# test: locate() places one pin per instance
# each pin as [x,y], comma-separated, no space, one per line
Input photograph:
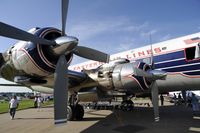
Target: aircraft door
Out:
[197,51]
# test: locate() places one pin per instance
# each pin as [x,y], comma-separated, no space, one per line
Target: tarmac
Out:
[173,119]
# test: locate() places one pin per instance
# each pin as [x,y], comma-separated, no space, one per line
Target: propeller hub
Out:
[66,40]
[65,45]
[158,74]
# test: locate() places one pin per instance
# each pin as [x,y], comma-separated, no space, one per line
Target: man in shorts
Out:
[13,105]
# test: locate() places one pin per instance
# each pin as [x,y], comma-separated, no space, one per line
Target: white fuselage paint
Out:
[174,80]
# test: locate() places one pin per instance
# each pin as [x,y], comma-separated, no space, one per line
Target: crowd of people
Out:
[191,101]
[14,104]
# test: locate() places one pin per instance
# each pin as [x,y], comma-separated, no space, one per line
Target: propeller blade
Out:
[15,33]
[65,4]
[61,91]
[152,57]
[154,94]
[91,54]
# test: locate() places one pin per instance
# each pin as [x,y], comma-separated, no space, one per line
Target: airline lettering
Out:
[130,56]
[88,66]
[141,54]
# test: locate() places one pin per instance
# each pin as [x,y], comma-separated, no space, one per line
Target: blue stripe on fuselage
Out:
[169,62]
[169,56]
[193,73]
[183,68]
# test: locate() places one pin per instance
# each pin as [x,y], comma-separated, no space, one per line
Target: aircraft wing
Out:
[77,80]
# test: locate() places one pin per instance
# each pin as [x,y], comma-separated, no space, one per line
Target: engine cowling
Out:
[125,76]
[122,77]
[34,59]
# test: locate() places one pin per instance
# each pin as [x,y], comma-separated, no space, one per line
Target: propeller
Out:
[154,87]
[64,42]
[153,75]
[62,46]
[68,44]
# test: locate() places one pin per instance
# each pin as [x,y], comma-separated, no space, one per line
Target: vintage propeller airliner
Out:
[41,62]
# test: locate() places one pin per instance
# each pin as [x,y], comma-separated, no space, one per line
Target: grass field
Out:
[23,104]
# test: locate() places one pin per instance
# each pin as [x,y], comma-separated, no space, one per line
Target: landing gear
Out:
[70,115]
[75,111]
[127,105]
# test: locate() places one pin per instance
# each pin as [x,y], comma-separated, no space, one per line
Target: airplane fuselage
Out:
[34,65]
[178,57]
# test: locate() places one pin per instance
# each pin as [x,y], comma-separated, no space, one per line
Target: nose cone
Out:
[65,44]
[158,74]
[70,40]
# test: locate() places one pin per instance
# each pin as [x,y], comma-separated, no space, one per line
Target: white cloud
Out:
[166,37]
[131,27]
[148,33]
[124,46]
[87,29]
[111,35]
[126,43]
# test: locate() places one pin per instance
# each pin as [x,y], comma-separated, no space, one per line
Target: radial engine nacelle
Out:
[122,75]
[28,58]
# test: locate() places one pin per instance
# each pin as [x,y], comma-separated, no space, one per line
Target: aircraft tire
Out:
[127,105]
[78,112]
[70,113]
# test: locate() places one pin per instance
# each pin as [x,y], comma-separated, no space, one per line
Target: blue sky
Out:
[108,25]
